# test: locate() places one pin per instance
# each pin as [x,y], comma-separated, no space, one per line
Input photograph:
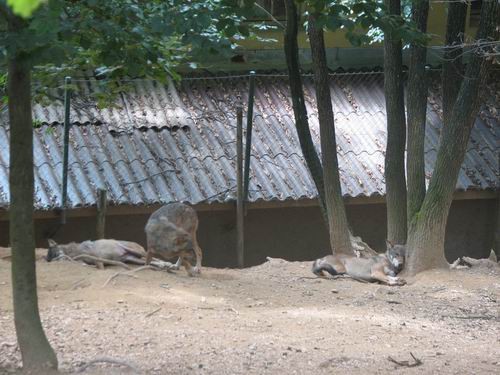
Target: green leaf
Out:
[24,8]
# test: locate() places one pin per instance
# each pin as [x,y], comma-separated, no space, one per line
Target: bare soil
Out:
[275,318]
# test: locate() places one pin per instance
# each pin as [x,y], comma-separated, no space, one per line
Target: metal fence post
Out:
[248,143]
[239,199]
[67,105]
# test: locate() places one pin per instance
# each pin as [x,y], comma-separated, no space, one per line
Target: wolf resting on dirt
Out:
[120,251]
[380,268]
[171,232]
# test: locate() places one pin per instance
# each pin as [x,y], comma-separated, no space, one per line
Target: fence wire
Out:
[177,142]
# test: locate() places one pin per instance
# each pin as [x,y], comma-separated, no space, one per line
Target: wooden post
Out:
[239,183]
[101,214]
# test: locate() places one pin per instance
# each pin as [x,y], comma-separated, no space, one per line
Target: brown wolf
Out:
[380,268]
[121,251]
[171,232]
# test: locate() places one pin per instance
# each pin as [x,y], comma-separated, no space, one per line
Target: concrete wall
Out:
[291,233]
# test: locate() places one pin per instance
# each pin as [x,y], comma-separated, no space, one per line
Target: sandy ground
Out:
[271,319]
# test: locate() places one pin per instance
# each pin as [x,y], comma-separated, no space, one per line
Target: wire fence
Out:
[177,142]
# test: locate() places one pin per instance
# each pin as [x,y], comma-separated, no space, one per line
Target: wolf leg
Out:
[187,266]
[199,256]
[149,256]
[378,274]
[134,260]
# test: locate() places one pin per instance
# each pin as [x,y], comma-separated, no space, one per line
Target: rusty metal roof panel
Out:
[176,142]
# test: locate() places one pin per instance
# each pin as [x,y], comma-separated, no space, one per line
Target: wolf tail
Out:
[319,266]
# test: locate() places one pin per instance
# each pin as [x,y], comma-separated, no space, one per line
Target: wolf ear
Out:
[389,244]
[51,242]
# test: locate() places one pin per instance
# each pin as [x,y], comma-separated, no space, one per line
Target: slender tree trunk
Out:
[395,181]
[426,240]
[453,69]
[299,107]
[417,110]
[36,351]
[337,219]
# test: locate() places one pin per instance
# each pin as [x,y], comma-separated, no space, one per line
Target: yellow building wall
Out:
[436,27]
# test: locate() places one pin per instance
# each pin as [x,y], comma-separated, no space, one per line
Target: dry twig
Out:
[152,312]
[109,360]
[417,362]
[78,283]
[129,273]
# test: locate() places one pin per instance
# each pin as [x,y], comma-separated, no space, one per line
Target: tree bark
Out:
[337,219]
[36,351]
[298,103]
[453,69]
[426,240]
[395,181]
[417,110]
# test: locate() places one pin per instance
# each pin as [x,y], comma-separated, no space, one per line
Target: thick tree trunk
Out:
[426,239]
[299,107]
[337,219]
[36,351]
[417,110]
[395,181]
[452,61]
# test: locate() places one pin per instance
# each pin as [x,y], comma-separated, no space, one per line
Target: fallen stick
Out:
[77,284]
[480,317]
[116,275]
[129,273]
[417,362]
[109,360]
[152,312]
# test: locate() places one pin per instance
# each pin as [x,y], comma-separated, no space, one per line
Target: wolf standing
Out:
[171,232]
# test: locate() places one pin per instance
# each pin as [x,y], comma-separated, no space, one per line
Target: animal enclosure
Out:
[270,319]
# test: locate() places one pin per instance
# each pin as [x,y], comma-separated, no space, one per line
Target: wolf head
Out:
[54,250]
[396,255]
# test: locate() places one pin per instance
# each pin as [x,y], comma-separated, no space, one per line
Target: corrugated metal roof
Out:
[162,143]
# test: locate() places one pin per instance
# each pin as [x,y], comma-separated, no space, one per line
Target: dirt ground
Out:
[275,318]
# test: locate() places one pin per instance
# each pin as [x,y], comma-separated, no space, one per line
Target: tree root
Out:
[361,248]
[109,360]
[417,362]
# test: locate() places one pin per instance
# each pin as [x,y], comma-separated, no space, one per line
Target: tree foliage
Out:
[24,8]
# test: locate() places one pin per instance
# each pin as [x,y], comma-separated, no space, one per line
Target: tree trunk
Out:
[452,61]
[426,239]
[337,219]
[36,351]
[417,110]
[395,181]
[298,103]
